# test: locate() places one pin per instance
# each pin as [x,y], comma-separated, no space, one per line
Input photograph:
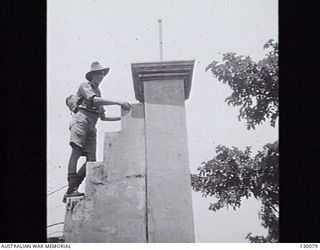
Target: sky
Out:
[119,32]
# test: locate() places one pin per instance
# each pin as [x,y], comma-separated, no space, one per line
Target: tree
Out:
[235,174]
[254,84]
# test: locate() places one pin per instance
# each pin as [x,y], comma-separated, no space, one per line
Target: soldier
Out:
[82,127]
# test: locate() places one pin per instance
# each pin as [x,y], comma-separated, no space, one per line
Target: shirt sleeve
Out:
[85,90]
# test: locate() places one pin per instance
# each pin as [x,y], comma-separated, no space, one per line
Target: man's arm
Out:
[100,101]
[103,116]
[115,118]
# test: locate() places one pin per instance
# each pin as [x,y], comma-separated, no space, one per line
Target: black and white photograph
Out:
[162,121]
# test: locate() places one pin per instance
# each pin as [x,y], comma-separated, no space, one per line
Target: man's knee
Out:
[76,150]
[91,157]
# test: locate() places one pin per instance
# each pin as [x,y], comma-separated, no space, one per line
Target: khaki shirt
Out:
[87,91]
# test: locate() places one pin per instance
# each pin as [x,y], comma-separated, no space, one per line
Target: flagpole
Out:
[160,39]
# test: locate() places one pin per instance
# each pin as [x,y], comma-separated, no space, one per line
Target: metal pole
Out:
[160,39]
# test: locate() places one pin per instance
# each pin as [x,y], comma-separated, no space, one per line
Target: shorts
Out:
[84,132]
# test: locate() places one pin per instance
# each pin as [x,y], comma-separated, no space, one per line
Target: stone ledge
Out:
[142,72]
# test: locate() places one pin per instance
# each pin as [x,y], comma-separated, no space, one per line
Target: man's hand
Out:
[126,106]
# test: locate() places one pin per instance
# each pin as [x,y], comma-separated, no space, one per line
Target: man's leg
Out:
[74,157]
[89,151]
[73,178]
[82,170]
[79,128]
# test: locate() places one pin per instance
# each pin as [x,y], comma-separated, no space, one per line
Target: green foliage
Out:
[254,84]
[234,174]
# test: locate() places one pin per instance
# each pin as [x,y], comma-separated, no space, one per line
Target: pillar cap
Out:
[169,70]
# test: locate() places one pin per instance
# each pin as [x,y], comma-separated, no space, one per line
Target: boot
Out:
[74,182]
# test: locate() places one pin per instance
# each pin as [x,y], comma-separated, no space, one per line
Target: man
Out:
[82,126]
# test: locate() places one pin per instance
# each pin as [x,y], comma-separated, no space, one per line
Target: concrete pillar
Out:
[163,87]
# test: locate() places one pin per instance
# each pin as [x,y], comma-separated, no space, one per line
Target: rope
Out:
[57,190]
[58,223]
